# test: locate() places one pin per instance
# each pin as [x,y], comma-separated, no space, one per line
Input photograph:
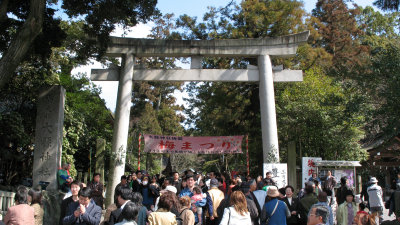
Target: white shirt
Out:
[290,200]
[122,206]
[231,217]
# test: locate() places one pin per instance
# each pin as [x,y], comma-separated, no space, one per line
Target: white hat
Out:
[170,188]
[373,180]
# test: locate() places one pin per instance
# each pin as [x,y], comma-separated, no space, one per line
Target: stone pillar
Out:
[268,115]
[121,126]
[292,164]
[48,136]
[100,147]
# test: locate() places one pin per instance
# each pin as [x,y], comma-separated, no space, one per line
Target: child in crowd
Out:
[362,217]
[198,196]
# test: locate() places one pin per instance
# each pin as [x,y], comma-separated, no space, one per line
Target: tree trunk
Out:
[21,43]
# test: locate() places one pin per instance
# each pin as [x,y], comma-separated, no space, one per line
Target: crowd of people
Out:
[210,199]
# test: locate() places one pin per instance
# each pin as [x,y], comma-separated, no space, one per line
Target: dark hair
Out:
[95,174]
[188,177]
[130,211]
[321,211]
[78,183]
[197,190]
[123,177]
[322,196]
[21,196]
[362,205]
[260,185]
[138,171]
[316,182]
[124,192]
[343,180]
[137,198]
[291,188]
[168,200]
[309,189]
[36,196]
[282,191]
[85,192]
[267,173]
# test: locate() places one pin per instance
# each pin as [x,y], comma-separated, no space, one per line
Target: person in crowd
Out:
[329,186]
[164,216]
[63,177]
[35,199]
[124,195]
[282,193]
[135,185]
[292,204]
[83,212]
[129,214]
[306,202]
[148,193]
[176,181]
[186,214]
[251,206]
[317,187]
[364,194]
[237,213]
[253,187]
[362,217]
[216,196]
[318,215]
[274,212]
[323,200]
[314,177]
[260,194]
[167,188]
[142,215]
[346,211]
[123,183]
[394,202]
[268,179]
[197,196]
[76,186]
[188,190]
[234,182]
[139,176]
[21,213]
[375,201]
[97,190]
[222,186]
[341,192]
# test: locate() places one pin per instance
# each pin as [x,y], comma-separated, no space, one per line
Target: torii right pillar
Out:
[268,114]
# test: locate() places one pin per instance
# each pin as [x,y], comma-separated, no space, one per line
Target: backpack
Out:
[179,220]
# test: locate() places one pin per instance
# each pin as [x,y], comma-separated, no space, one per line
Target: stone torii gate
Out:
[264,73]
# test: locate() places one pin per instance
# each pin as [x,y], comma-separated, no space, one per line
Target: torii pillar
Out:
[265,74]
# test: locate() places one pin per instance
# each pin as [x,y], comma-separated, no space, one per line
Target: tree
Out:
[389,5]
[30,27]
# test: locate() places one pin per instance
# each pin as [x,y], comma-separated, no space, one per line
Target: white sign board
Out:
[308,167]
[279,173]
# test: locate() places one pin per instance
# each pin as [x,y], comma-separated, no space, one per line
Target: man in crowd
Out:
[314,176]
[306,202]
[188,191]
[216,196]
[123,183]
[176,181]
[318,215]
[375,198]
[341,192]
[76,186]
[83,212]
[329,187]
[268,179]
[323,201]
[97,190]
[124,195]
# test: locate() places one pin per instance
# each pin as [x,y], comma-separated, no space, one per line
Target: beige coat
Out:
[187,216]
[216,196]
[162,217]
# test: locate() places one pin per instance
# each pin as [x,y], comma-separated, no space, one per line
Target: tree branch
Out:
[3,10]
[22,42]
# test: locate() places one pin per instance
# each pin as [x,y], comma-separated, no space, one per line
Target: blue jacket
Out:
[92,216]
[281,213]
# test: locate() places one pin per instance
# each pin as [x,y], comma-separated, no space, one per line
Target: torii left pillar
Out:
[121,126]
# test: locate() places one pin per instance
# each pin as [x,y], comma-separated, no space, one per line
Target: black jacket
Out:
[293,219]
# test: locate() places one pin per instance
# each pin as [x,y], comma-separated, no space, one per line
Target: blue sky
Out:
[178,7]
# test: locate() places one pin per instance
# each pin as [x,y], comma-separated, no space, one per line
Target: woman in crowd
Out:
[129,214]
[186,214]
[292,204]
[237,213]
[21,213]
[76,186]
[35,198]
[347,210]
[164,216]
[274,212]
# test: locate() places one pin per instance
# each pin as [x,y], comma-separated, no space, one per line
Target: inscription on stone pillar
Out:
[48,136]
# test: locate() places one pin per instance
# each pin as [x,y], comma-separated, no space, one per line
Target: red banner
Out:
[194,145]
